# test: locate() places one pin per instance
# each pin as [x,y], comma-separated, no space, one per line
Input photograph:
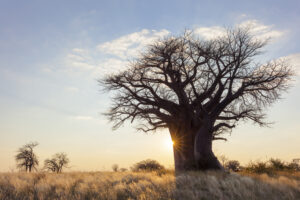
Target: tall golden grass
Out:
[148,185]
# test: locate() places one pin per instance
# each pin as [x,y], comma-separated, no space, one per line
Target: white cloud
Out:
[112,56]
[82,65]
[129,45]
[122,48]
[75,57]
[108,66]
[78,50]
[294,61]
[258,29]
[262,31]
[210,32]
[80,59]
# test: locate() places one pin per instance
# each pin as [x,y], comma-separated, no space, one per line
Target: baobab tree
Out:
[26,158]
[198,90]
[57,162]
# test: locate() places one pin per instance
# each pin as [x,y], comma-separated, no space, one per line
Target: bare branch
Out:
[183,80]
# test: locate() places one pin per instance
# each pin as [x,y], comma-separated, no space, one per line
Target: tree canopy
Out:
[26,158]
[57,162]
[185,84]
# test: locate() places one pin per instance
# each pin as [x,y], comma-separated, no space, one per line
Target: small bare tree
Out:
[26,159]
[197,89]
[233,165]
[223,159]
[57,162]
[51,165]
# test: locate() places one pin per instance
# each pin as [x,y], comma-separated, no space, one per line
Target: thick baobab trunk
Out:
[183,147]
[204,156]
[184,155]
[193,149]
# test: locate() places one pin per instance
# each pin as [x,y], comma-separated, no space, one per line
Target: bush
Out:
[233,165]
[147,165]
[271,166]
[293,166]
[123,170]
[277,164]
[258,167]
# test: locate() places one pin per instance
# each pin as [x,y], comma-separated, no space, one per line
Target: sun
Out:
[169,144]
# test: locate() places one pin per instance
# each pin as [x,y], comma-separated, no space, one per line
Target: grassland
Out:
[150,185]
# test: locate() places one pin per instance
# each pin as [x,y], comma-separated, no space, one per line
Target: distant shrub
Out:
[277,164]
[258,167]
[271,166]
[147,165]
[293,166]
[123,169]
[233,165]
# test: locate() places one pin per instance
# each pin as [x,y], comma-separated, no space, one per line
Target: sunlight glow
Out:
[169,144]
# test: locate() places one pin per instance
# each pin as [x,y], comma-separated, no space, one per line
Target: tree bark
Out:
[184,156]
[204,156]
[193,149]
[183,147]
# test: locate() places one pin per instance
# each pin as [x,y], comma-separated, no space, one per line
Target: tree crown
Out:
[186,80]
[26,158]
[57,162]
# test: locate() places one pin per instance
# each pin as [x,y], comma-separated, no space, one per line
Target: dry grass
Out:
[283,178]
[129,185]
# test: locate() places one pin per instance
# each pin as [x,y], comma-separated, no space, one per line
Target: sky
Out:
[53,52]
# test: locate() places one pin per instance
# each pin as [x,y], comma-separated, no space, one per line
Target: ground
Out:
[149,185]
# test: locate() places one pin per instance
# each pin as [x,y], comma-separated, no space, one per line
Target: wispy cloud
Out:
[80,51]
[112,56]
[209,33]
[258,29]
[261,30]
[80,59]
[115,53]
[129,45]
[110,65]
[294,61]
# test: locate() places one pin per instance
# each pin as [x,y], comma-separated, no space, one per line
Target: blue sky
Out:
[52,53]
